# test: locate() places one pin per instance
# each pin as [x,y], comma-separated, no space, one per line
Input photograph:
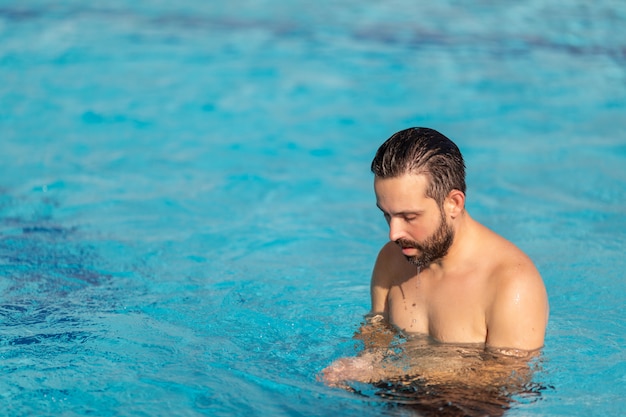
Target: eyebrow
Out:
[401,213]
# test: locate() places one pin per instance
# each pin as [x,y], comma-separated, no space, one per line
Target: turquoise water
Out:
[187,222]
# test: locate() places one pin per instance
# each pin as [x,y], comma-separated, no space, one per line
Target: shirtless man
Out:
[443,274]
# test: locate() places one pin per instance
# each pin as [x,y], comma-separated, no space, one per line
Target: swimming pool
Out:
[186,211]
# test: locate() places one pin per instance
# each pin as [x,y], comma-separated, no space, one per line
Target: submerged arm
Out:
[433,364]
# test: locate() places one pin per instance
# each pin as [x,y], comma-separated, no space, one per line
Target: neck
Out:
[458,250]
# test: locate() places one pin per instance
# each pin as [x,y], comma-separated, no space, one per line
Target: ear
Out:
[454,203]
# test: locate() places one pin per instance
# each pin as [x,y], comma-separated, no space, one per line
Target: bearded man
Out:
[443,275]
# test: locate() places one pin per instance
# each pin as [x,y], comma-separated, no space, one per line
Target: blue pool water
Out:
[187,223]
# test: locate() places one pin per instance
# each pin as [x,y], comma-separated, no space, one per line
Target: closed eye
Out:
[407,216]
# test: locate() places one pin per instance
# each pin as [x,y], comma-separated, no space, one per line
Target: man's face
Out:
[432,249]
[416,222]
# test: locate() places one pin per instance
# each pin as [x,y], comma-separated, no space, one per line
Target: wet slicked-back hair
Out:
[421,150]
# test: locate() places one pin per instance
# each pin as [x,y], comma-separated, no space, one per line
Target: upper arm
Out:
[382,278]
[518,316]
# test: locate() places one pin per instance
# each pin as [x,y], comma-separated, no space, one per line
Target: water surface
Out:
[187,222]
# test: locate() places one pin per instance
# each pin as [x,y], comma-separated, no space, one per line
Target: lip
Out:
[408,250]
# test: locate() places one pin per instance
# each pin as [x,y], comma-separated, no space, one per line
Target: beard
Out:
[433,248]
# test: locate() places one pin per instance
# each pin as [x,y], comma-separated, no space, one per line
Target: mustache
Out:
[404,243]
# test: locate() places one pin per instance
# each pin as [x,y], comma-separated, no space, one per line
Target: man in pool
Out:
[443,274]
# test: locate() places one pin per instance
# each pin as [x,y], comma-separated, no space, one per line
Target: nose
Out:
[395,230]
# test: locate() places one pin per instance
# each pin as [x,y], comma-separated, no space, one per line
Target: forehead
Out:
[405,190]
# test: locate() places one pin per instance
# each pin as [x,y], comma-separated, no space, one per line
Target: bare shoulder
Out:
[389,268]
[390,265]
[518,312]
[508,264]
[514,270]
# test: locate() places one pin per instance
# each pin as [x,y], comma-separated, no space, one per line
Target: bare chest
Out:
[447,310]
